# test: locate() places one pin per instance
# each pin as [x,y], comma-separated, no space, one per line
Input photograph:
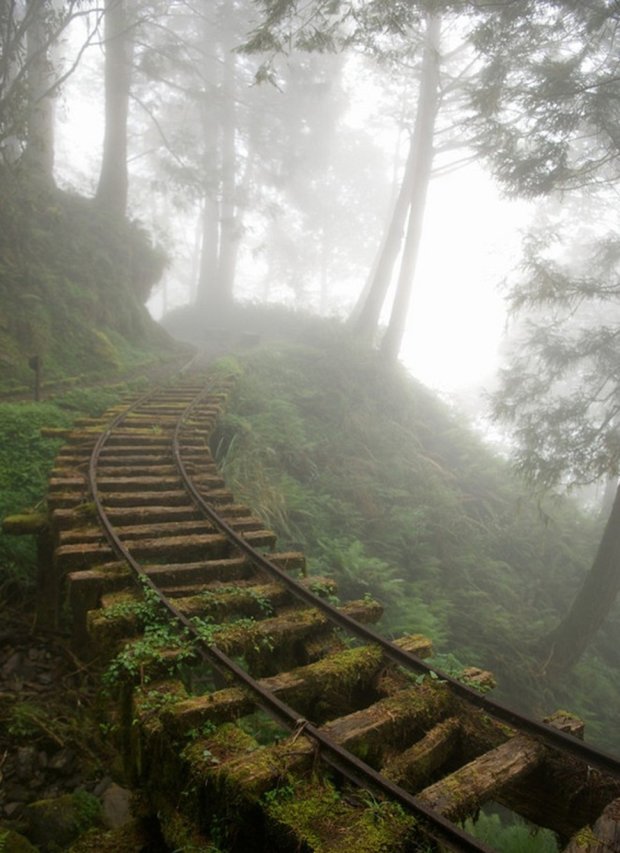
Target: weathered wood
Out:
[25,524]
[176,497]
[604,837]
[463,792]
[329,686]
[373,732]
[155,483]
[268,646]
[334,679]
[133,533]
[66,519]
[87,586]
[226,569]
[248,776]
[87,555]
[413,768]
[72,481]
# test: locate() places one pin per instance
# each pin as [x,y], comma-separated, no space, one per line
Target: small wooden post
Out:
[35,364]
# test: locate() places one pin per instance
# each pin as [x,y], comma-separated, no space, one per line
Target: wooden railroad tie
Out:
[195,743]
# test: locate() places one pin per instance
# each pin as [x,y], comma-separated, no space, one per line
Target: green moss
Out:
[132,836]
[227,742]
[24,523]
[105,350]
[56,823]
[72,286]
[13,842]
[180,834]
[314,817]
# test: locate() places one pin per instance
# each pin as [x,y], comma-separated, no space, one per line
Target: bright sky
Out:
[470,242]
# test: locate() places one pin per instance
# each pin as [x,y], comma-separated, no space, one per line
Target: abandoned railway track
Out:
[205,626]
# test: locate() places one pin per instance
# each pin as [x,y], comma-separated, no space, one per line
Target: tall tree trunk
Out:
[211,160]
[113,180]
[208,255]
[229,226]
[39,153]
[563,647]
[422,144]
[609,494]
[365,316]
[324,267]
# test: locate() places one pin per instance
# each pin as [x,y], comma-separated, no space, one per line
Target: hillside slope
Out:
[387,491]
[72,287]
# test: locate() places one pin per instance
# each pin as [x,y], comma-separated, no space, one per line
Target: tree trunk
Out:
[229,230]
[39,153]
[422,145]
[211,160]
[365,316]
[113,181]
[324,272]
[208,254]
[563,647]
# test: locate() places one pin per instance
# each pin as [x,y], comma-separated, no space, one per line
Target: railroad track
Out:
[256,715]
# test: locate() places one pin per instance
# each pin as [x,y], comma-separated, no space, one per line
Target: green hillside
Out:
[73,282]
[389,492]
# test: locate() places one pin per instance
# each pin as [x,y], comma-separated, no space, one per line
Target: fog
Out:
[470,238]
[274,177]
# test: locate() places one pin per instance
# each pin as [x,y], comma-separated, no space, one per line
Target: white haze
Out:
[470,243]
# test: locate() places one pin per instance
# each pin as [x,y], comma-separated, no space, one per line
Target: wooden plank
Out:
[463,792]
[413,768]
[604,837]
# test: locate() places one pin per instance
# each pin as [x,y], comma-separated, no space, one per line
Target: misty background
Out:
[471,235]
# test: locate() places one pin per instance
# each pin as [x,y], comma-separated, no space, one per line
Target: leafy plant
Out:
[513,835]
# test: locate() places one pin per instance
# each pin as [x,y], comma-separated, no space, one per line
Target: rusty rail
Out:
[541,742]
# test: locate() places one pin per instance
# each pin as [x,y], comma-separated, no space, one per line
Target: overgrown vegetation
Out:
[515,836]
[387,491]
[72,287]
[26,459]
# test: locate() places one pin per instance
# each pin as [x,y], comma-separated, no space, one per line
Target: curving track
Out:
[141,514]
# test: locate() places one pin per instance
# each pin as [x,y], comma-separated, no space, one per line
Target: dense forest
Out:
[257,175]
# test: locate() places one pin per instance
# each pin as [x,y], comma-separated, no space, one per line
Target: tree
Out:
[548,103]
[550,122]
[365,316]
[31,76]
[257,163]
[421,159]
[39,152]
[113,186]
[396,35]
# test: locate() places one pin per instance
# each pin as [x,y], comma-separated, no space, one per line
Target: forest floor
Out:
[55,757]
[44,691]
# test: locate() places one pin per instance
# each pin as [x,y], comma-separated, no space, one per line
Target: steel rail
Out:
[593,757]
[434,825]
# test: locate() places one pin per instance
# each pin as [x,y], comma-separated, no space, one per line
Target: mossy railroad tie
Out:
[292,649]
[210,764]
[250,786]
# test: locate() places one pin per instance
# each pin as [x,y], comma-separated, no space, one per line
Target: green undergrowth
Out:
[511,835]
[26,459]
[389,492]
[73,282]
